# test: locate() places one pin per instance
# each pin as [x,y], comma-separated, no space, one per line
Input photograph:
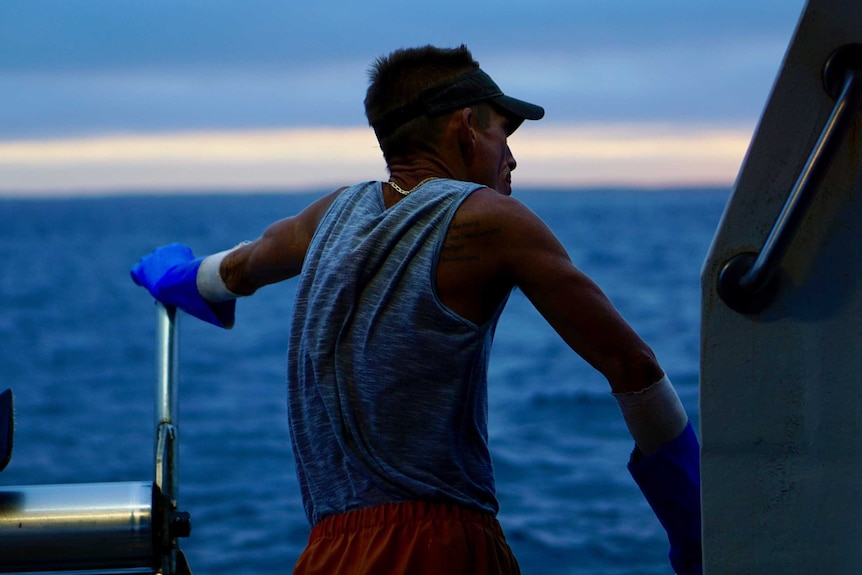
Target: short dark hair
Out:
[398,79]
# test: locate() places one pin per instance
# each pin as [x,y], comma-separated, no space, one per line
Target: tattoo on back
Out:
[457,247]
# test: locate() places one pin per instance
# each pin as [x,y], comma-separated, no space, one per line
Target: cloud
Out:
[630,155]
[74,67]
[104,96]
[208,161]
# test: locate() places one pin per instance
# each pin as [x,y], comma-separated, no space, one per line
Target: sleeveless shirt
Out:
[387,387]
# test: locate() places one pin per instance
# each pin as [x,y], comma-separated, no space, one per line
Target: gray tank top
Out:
[387,387]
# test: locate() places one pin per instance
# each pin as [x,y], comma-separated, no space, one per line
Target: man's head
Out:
[413,90]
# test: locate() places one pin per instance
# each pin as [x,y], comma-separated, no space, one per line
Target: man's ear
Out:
[467,133]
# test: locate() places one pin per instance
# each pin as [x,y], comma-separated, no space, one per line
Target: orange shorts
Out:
[412,538]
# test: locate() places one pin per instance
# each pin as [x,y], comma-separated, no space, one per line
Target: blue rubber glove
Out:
[170,275]
[670,482]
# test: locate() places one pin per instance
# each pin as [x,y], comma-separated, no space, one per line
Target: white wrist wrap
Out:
[210,284]
[654,415]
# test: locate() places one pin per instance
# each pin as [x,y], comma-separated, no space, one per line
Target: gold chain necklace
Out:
[404,192]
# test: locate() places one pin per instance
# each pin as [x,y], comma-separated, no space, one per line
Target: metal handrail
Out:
[747,281]
[173,523]
[167,350]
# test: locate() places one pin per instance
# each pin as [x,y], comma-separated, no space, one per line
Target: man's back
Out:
[388,395]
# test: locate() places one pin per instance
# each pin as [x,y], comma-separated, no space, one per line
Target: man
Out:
[401,286]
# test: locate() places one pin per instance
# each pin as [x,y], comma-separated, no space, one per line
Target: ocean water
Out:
[78,340]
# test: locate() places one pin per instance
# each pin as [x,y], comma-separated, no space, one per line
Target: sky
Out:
[115,96]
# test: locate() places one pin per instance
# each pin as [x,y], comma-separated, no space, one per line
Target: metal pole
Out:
[166,449]
[167,384]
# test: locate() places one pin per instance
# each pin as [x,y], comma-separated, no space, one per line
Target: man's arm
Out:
[535,261]
[666,461]
[277,255]
[207,287]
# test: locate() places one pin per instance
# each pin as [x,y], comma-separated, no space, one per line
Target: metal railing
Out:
[747,282]
[173,523]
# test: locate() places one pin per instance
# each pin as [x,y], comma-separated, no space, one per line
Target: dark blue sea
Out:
[78,341]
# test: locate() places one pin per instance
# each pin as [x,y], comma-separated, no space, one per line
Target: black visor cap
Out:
[470,88]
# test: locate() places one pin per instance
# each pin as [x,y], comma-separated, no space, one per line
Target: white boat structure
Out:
[780,393]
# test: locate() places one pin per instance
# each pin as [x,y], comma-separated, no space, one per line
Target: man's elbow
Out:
[635,371]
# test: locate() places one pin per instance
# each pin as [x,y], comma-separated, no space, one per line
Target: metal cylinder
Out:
[77,527]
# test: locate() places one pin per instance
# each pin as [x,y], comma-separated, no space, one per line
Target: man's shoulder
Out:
[518,232]
[487,203]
